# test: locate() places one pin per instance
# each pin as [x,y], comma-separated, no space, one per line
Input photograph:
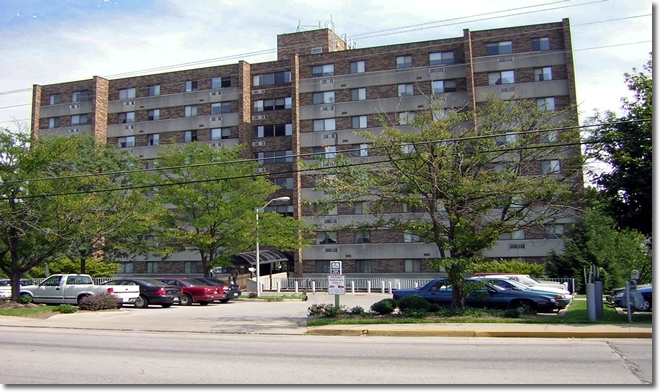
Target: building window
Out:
[190,267]
[502,77]
[329,152]
[123,118]
[360,150]
[363,237]
[127,93]
[272,130]
[220,133]
[409,237]
[53,122]
[284,182]
[152,267]
[443,86]
[270,157]
[272,78]
[406,118]
[550,167]
[221,107]
[554,231]
[153,139]
[190,136]
[126,142]
[358,122]
[326,237]
[266,105]
[153,115]
[361,207]
[495,48]
[357,67]
[55,99]
[441,58]
[319,71]
[539,44]
[322,267]
[190,111]
[514,235]
[363,266]
[191,85]
[549,137]
[412,265]
[507,138]
[545,104]
[404,62]
[79,119]
[406,90]
[358,94]
[125,268]
[220,82]
[283,210]
[324,125]
[154,90]
[325,97]
[80,96]
[541,74]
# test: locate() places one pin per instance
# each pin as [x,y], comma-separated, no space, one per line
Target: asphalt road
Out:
[66,356]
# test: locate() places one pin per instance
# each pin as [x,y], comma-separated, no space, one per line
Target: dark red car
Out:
[196,291]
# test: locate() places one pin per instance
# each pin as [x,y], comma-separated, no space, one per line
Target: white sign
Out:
[336,285]
[335,268]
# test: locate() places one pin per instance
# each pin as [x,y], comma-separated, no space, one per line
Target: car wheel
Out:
[166,305]
[81,298]
[645,306]
[186,300]
[141,302]
[521,306]
[204,303]
[224,301]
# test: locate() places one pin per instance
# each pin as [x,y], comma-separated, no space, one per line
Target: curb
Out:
[484,334]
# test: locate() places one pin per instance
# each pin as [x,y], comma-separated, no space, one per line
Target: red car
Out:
[195,291]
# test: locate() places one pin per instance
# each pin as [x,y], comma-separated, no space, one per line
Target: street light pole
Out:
[256,210]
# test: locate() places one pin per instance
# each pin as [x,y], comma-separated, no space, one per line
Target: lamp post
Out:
[256,210]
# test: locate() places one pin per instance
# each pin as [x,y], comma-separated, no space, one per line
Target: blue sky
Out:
[53,41]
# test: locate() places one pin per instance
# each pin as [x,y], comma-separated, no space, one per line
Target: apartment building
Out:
[311,100]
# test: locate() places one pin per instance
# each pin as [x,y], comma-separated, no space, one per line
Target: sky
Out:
[53,41]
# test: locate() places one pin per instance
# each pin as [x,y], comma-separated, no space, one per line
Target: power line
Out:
[544,146]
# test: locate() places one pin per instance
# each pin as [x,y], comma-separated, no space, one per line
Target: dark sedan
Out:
[647,298]
[152,292]
[234,290]
[484,295]
[196,291]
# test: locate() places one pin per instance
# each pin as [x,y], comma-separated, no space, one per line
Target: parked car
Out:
[646,291]
[72,288]
[152,292]
[525,279]
[487,295]
[562,296]
[5,286]
[195,291]
[232,290]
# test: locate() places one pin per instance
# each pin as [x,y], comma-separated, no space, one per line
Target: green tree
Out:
[214,194]
[625,144]
[597,241]
[469,184]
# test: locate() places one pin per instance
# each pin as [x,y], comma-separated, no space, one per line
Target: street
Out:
[65,356]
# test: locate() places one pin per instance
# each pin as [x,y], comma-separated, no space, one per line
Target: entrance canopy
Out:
[265,257]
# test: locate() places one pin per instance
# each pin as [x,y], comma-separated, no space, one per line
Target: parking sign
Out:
[335,267]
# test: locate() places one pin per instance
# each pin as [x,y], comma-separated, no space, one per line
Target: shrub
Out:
[326,310]
[435,308]
[100,301]
[357,310]
[66,308]
[24,299]
[415,313]
[384,306]
[413,303]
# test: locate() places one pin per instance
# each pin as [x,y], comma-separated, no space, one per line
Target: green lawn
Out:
[575,314]
[27,311]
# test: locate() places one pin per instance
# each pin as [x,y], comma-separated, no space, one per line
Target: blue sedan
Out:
[486,295]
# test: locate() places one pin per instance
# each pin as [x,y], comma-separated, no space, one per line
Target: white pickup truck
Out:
[70,289]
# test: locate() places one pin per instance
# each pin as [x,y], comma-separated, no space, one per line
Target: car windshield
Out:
[193,282]
[206,282]
[153,282]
